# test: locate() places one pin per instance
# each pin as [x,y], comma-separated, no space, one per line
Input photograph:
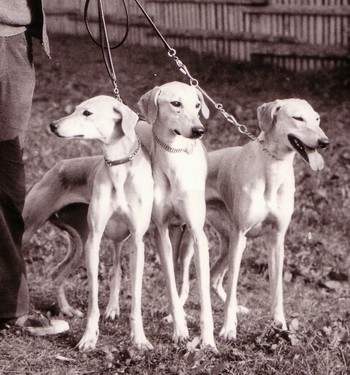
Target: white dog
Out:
[250,192]
[180,169]
[122,189]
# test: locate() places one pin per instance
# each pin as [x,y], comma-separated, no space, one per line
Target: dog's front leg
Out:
[165,251]
[276,259]
[192,209]
[237,245]
[137,258]
[89,339]
[201,258]
[100,211]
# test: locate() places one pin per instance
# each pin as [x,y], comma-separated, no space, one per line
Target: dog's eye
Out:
[298,118]
[198,105]
[175,103]
[87,113]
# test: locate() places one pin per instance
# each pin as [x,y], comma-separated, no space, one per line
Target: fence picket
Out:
[238,29]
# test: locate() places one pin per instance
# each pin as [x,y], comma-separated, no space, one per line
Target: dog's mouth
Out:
[194,135]
[64,136]
[310,155]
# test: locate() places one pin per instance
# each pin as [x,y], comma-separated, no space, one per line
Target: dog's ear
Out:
[128,121]
[267,114]
[148,104]
[204,107]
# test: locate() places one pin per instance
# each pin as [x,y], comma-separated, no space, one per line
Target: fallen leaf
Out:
[65,359]
[191,345]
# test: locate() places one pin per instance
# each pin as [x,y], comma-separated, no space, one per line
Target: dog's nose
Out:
[53,126]
[323,142]
[197,131]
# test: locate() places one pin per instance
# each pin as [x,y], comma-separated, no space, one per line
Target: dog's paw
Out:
[167,319]
[71,312]
[180,336]
[205,345]
[88,341]
[209,347]
[280,322]
[242,310]
[142,345]
[112,313]
[228,333]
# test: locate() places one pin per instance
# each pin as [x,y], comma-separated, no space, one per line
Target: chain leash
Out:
[104,43]
[229,117]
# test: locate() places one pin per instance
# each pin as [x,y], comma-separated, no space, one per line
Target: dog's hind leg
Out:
[71,219]
[186,255]
[237,245]
[219,219]
[113,309]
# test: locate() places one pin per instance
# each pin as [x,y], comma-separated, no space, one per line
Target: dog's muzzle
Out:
[198,132]
[323,142]
[53,127]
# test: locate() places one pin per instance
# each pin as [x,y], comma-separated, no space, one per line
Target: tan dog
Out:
[179,170]
[121,189]
[250,192]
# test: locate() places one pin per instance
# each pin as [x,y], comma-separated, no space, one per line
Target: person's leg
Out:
[17,81]
[13,285]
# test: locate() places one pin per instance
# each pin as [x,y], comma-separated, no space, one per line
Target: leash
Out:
[104,44]
[194,82]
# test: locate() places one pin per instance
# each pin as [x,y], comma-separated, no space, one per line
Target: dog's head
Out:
[296,126]
[101,117]
[176,106]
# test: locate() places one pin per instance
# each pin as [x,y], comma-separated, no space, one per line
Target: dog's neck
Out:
[121,151]
[171,142]
[275,151]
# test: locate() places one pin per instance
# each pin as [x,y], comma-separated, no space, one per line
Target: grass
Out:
[317,293]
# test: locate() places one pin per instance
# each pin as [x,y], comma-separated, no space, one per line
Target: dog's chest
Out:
[131,187]
[183,171]
[270,207]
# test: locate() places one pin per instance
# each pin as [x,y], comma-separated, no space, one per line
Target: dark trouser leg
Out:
[17,80]
[13,284]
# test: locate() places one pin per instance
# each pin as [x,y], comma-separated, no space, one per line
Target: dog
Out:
[250,192]
[179,165]
[120,188]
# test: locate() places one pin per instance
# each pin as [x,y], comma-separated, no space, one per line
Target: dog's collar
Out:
[188,149]
[112,163]
[262,143]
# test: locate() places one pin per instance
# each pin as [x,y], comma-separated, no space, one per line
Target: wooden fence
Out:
[295,34]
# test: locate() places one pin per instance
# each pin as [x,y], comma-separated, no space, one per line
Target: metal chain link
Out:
[229,117]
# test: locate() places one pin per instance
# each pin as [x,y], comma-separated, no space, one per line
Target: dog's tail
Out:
[71,219]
